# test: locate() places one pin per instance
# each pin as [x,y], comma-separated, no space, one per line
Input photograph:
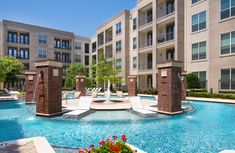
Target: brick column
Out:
[30,81]
[48,93]
[169,87]
[132,86]
[80,85]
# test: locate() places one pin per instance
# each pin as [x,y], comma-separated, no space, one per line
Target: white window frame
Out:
[230,43]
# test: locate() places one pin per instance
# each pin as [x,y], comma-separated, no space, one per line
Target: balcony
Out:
[146,44]
[146,20]
[165,11]
[164,37]
[145,66]
[227,85]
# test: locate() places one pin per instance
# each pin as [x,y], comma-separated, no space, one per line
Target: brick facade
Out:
[169,88]
[80,85]
[30,81]
[48,95]
[132,85]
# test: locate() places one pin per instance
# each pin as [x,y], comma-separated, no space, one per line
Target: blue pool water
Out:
[211,128]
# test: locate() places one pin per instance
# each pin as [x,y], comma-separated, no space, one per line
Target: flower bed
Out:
[110,145]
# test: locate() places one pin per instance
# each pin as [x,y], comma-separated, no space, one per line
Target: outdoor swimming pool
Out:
[211,128]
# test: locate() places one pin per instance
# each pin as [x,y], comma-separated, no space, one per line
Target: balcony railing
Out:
[146,43]
[146,20]
[12,40]
[100,43]
[145,66]
[62,47]
[108,39]
[109,54]
[165,37]
[93,50]
[165,11]
[227,85]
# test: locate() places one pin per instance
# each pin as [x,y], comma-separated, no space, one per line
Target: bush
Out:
[211,95]
[193,81]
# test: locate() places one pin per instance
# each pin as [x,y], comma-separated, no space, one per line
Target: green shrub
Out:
[193,81]
[210,95]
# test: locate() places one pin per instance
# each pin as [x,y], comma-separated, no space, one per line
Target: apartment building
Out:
[29,43]
[113,42]
[82,51]
[210,43]
[156,36]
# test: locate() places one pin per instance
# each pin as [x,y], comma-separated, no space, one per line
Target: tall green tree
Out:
[106,71]
[193,81]
[72,71]
[9,68]
[91,80]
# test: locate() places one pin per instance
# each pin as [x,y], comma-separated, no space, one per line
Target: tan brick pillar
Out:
[80,85]
[30,81]
[132,85]
[48,93]
[169,87]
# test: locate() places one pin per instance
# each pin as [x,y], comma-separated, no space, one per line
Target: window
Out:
[134,23]
[118,46]
[118,28]
[119,63]
[78,45]
[227,79]
[65,44]
[42,53]
[195,1]
[199,21]
[26,66]
[202,78]
[86,48]
[12,37]
[65,58]
[24,38]
[57,43]
[199,51]
[42,39]
[57,56]
[78,58]
[134,62]
[227,43]
[86,60]
[134,43]
[22,53]
[227,9]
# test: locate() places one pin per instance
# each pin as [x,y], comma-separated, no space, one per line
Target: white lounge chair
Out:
[137,108]
[84,105]
[77,94]
[99,89]
[94,94]
[119,94]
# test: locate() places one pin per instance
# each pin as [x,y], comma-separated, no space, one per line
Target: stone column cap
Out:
[80,76]
[171,64]
[132,76]
[30,72]
[48,62]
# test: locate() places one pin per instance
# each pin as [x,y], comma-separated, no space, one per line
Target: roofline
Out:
[36,26]
[112,18]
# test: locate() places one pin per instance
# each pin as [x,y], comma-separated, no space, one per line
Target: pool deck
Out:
[28,145]
[213,100]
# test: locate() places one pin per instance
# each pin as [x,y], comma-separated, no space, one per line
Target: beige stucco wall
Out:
[122,17]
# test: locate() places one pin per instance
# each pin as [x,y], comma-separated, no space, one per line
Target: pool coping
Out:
[213,100]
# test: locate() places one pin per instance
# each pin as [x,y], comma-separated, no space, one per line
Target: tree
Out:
[9,68]
[91,80]
[106,71]
[72,71]
[193,81]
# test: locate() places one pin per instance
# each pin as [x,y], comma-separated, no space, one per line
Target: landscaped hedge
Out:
[210,95]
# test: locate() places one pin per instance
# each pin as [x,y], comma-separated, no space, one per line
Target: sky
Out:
[79,16]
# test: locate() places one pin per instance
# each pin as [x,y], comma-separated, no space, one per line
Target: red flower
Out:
[116,149]
[115,137]
[102,142]
[124,138]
